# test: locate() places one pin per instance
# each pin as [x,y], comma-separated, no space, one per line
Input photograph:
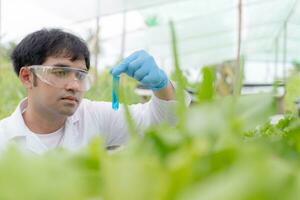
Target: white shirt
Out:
[90,119]
[52,140]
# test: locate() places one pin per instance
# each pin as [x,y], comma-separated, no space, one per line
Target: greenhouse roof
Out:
[207,30]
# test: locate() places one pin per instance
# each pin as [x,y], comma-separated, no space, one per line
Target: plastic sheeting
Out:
[207,30]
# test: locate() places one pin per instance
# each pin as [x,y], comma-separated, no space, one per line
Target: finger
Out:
[116,71]
[136,64]
[141,73]
[122,67]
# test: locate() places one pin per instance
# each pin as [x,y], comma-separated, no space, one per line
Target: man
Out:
[53,66]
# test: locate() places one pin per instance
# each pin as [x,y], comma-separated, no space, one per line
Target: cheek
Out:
[46,95]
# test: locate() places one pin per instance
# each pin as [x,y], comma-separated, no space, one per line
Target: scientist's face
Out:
[58,85]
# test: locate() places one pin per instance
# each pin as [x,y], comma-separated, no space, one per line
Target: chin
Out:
[68,109]
[68,112]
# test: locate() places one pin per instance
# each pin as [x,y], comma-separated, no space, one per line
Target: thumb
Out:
[116,71]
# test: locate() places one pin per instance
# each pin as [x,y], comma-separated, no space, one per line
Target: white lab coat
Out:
[90,119]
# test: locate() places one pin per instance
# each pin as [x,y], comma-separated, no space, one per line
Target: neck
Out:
[42,122]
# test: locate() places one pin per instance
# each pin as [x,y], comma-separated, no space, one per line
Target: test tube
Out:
[115,92]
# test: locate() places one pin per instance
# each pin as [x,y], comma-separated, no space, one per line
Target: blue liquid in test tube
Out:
[115,92]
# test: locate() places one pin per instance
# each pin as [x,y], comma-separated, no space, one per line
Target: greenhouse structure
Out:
[158,100]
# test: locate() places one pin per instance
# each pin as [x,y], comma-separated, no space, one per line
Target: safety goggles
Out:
[61,76]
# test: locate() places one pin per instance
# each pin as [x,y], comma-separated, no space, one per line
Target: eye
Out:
[60,72]
[80,75]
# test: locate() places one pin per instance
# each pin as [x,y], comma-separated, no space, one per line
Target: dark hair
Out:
[37,46]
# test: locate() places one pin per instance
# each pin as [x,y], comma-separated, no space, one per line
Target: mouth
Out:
[70,99]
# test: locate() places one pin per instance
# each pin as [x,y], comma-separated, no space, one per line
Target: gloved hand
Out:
[141,66]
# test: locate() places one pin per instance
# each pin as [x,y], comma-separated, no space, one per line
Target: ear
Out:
[26,77]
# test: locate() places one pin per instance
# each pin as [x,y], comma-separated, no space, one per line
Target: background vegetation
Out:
[222,148]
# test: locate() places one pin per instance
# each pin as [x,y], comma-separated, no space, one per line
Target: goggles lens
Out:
[61,76]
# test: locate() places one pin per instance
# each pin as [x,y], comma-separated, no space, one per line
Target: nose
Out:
[73,85]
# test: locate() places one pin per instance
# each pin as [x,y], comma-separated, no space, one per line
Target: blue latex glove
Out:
[142,67]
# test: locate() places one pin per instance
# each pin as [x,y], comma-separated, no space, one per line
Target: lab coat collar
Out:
[19,130]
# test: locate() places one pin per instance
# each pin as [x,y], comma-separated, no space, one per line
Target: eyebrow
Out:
[64,65]
[61,65]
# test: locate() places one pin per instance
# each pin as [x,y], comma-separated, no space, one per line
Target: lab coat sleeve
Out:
[113,123]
